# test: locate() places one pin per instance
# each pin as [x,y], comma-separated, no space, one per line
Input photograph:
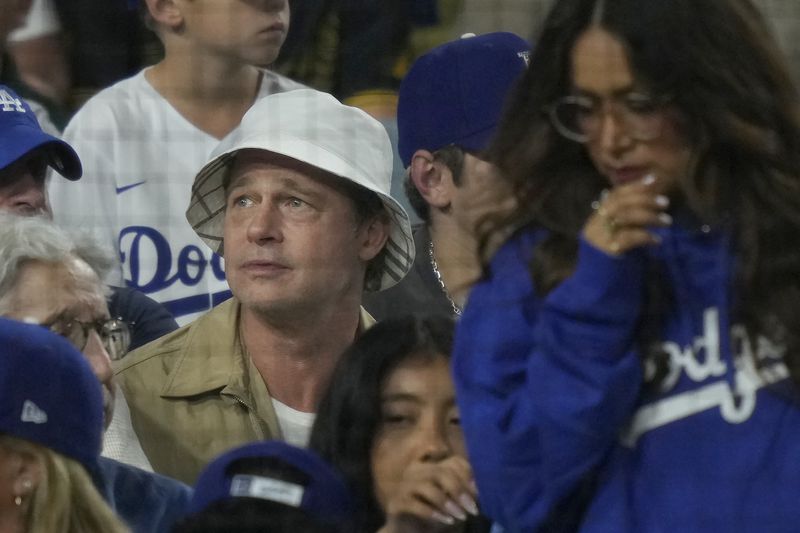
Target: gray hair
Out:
[39,239]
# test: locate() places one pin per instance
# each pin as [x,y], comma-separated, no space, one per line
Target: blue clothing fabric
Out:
[149,320]
[146,502]
[561,432]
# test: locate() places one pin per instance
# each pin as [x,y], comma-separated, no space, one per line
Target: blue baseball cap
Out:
[48,393]
[325,497]
[20,133]
[454,94]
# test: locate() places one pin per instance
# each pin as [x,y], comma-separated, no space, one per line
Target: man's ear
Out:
[431,178]
[166,13]
[374,234]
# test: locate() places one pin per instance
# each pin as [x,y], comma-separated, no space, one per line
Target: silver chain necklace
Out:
[456,309]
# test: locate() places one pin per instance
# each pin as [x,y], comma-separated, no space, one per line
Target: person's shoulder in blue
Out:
[147,502]
[147,319]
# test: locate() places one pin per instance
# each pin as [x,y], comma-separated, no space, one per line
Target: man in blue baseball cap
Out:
[26,151]
[449,105]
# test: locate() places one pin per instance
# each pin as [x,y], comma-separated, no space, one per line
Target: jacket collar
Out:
[212,358]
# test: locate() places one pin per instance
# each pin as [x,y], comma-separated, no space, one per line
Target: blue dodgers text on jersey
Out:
[189,267]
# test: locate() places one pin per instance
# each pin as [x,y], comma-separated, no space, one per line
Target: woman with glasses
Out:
[630,361]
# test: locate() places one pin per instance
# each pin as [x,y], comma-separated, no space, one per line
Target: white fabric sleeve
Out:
[90,204]
[42,20]
[120,441]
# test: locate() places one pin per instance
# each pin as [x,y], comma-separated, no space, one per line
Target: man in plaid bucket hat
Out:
[297,202]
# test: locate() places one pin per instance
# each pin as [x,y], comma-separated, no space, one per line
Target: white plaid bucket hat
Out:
[314,128]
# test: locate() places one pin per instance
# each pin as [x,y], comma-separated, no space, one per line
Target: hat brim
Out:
[206,212]
[60,155]
[476,142]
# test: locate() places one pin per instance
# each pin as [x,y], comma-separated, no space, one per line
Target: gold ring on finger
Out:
[611,225]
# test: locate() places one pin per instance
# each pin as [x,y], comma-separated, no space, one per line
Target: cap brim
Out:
[477,142]
[61,157]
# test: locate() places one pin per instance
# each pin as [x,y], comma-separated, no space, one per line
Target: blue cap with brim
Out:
[325,497]
[48,393]
[455,93]
[20,134]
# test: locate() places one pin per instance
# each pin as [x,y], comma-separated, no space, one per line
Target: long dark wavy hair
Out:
[741,113]
[350,414]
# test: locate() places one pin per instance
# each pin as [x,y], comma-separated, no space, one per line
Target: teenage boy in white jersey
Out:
[142,140]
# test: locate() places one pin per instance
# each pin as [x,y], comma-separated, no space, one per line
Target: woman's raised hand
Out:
[624,215]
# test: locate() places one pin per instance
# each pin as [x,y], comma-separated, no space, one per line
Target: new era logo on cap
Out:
[32,413]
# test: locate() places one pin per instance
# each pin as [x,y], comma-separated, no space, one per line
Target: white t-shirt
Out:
[295,425]
[140,157]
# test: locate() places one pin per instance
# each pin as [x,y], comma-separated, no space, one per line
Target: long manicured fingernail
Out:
[469,504]
[444,519]
[662,201]
[665,219]
[451,507]
[649,179]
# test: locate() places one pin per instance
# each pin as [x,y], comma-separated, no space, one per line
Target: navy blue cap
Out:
[48,393]
[454,94]
[20,133]
[325,497]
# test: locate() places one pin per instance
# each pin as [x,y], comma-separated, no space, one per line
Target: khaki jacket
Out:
[193,394]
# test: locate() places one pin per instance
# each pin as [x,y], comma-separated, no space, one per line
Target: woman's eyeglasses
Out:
[581,118]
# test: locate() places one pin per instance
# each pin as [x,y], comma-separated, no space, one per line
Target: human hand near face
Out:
[486,195]
[622,218]
[431,496]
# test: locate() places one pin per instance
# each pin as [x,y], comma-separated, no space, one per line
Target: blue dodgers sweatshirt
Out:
[567,431]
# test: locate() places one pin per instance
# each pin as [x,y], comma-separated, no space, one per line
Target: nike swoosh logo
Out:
[124,188]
